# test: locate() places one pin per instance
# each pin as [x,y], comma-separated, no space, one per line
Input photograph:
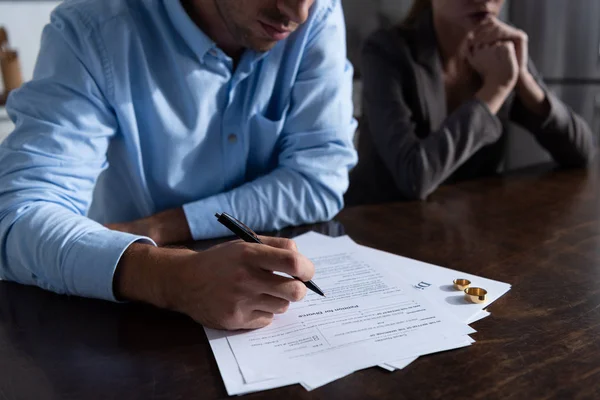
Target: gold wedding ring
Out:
[476,295]
[461,284]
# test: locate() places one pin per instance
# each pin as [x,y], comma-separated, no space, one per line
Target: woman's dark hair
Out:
[418,8]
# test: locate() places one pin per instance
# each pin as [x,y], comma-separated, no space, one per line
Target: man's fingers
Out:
[280,243]
[291,263]
[279,260]
[270,304]
[280,287]
[231,242]
[258,319]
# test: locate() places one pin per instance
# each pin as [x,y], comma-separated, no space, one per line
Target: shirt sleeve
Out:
[49,166]
[315,150]
[563,133]
[418,161]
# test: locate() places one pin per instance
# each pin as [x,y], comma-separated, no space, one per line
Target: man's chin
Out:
[261,45]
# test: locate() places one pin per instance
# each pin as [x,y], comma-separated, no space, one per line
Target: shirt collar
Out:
[197,40]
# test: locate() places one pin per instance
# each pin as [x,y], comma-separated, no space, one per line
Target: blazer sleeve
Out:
[419,163]
[563,133]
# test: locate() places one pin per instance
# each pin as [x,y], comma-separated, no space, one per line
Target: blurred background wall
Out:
[24,21]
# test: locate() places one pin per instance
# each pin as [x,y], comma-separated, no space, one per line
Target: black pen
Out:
[248,235]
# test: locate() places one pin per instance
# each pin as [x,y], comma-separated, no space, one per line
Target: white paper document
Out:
[230,372]
[367,316]
[379,308]
[435,282]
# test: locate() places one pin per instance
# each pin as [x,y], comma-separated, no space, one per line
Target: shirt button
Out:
[232,138]
[213,53]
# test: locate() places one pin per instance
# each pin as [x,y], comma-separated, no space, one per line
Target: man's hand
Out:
[231,286]
[164,228]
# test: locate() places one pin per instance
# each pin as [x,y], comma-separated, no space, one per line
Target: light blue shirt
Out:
[134,110]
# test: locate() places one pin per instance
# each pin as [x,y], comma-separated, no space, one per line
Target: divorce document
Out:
[368,317]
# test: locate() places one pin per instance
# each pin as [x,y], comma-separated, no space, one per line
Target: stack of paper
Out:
[380,310]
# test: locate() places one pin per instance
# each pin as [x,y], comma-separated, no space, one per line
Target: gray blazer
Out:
[409,145]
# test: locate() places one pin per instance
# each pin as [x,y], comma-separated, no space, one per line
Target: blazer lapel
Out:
[428,71]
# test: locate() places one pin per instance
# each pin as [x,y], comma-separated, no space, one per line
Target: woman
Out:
[438,94]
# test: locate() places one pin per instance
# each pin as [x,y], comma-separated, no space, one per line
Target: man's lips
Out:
[275,33]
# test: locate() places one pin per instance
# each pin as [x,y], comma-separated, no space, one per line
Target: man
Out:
[165,112]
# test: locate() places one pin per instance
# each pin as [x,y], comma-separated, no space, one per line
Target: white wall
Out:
[24,21]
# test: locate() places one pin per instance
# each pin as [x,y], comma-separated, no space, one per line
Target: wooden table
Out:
[538,231]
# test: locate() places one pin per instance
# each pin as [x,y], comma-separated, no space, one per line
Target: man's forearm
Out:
[171,226]
[271,202]
[166,227]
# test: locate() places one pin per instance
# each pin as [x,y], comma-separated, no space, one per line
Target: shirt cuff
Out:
[201,217]
[91,262]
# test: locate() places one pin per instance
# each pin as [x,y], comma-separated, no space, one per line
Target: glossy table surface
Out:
[539,231]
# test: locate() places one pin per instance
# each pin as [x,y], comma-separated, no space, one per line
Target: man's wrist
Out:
[168,227]
[143,274]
